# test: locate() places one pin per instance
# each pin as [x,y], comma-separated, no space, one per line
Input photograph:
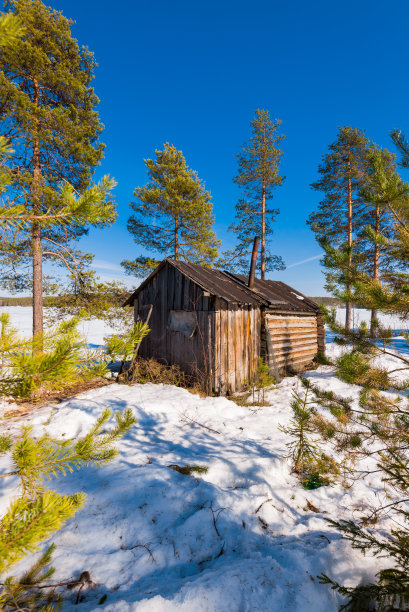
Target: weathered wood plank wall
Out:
[236,346]
[169,291]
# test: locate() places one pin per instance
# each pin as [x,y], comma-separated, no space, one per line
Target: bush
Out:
[53,361]
[322,359]
[50,361]
[314,481]
[355,368]
[151,371]
[352,367]
[262,381]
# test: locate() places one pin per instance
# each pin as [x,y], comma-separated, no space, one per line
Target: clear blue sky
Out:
[193,72]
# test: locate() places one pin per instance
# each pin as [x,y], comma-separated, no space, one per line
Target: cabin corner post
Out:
[262,345]
[268,349]
[321,333]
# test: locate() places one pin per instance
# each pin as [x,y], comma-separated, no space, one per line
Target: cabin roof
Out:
[232,288]
[278,294]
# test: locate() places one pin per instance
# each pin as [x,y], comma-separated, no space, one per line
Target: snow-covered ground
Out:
[244,536]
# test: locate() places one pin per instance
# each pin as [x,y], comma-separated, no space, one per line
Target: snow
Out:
[244,536]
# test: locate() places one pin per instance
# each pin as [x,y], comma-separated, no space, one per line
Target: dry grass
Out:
[50,397]
[152,371]
[146,371]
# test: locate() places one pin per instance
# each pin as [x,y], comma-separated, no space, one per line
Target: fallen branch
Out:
[375,512]
[84,579]
[71,584]
[5,476]
[215,516]
[190,421]
[262,504]
[148,550]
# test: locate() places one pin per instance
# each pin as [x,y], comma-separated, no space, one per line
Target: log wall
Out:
[294,339]
[321,333]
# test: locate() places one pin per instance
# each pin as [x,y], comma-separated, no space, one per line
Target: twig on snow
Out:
[186,419]
[148,550]
[70,584]
[262,504]
[215,516]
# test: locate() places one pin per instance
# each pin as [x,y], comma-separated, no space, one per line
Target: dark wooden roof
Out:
[216,282]
[233,288]
[219,284]
[278,294]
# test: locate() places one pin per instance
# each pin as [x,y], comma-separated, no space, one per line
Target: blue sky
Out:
[192,73]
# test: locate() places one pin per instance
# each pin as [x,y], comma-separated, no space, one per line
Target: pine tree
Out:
[264,380]
[390,292]
[26,371]
[173,214]
[5,178]
[47,111]
[92,299]
[11,29]
[401,143]
[377,428]
[379,231]
[309,461]
[126,347]
[340,214]
[258,175]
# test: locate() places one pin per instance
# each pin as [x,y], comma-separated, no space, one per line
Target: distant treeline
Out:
[333,302]
[28,301]
[329,301]
[20,301]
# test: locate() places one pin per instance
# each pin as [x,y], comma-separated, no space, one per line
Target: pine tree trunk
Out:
[374,312]
[263,230]
[38,324]
[37,280]
[348,304]
[176,240]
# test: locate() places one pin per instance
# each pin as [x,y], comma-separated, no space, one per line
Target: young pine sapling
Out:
[38,511]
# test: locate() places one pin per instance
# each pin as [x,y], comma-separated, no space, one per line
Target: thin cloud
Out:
[129,282]
[103,264]
[299,263]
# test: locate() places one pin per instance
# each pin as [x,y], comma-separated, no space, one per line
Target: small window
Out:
[182,321]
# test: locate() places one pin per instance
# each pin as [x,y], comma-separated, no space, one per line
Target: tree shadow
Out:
[229,540]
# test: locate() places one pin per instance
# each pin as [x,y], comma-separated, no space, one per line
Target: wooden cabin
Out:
[213,325]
